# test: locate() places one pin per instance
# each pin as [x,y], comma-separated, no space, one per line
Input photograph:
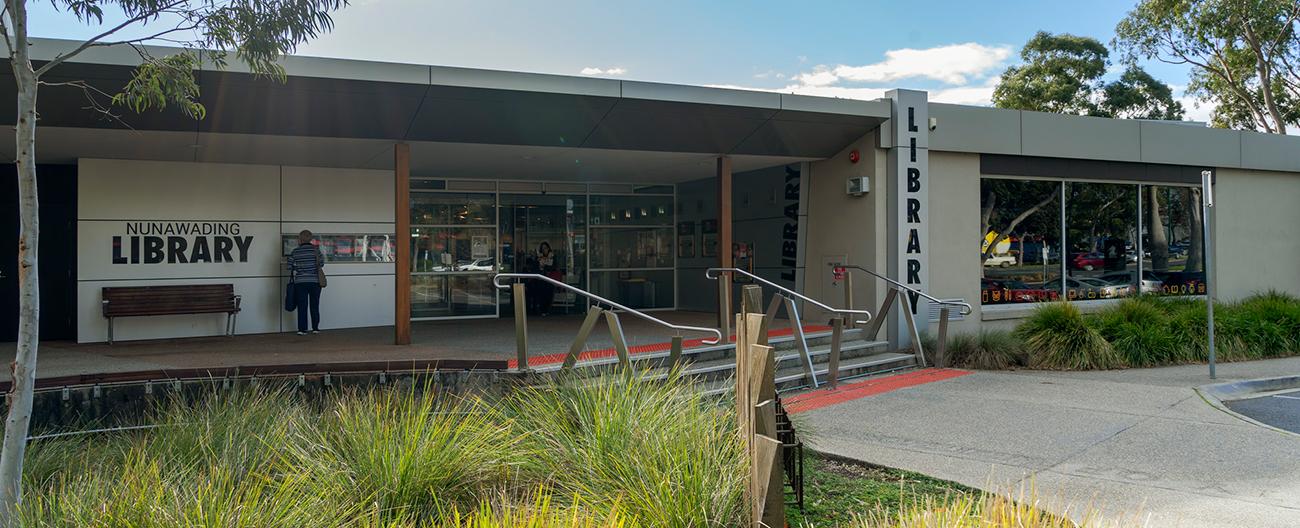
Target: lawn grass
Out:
[836,492]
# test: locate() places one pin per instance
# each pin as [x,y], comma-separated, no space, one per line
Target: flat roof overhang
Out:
[349,110]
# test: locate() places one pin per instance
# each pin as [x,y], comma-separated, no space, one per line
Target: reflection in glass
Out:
[452,295]
[347,248]
[636,289]
[441,249]
[453,209]
[632,210]
[1021,248]
[1101,230]
[1172,232]
[649,247]
[559,221]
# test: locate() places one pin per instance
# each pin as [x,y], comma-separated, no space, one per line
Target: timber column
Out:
[402,221]
[908,136]
[724,245]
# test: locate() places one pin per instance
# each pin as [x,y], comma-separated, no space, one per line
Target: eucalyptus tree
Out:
[255,32]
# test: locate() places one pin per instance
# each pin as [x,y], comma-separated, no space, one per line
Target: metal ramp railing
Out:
[786,297]
[908,306]
[600,306]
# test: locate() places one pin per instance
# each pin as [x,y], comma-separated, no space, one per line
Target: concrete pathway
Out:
[1134,444]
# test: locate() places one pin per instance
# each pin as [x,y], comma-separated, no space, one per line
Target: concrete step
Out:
[881,364]
[704,354]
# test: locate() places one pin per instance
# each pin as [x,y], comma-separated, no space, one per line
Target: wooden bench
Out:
[138,301]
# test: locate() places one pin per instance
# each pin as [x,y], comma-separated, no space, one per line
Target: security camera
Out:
[934,123]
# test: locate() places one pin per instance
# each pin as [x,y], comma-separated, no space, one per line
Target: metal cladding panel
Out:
[638,124]
[306,106]
[476,115]
[1069,136]
[806,134]
[1270,152]
[1169,143]
[69,106]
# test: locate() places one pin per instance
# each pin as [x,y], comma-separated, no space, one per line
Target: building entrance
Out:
[545,234]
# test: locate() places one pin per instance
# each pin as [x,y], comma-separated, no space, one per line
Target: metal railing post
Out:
[917,350]
[521,325]
[724,308]
[874,330]
[848,297]
[802,341]
[620,342]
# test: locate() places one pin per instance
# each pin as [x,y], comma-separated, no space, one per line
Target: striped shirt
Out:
[303,263]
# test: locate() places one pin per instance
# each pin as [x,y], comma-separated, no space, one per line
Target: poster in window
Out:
[709,248]
[479,247]
[686,246]
[685,229]
[709,226]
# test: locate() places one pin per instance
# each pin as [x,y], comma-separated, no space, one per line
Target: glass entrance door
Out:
[453,254]
[545,234]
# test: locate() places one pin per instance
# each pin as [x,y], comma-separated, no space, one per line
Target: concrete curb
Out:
[1218,394]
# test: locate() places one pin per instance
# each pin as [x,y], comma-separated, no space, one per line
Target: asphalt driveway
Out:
[1138,444]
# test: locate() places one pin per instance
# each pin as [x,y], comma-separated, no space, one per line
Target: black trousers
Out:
[307,296]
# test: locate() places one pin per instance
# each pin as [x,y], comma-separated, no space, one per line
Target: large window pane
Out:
[452,295]
[347,248]
[1021,247]
[558,222]
[632,210]
[453,208]
[1173,260]
[1101,230]
[435,249]
[636,247]
[635,289]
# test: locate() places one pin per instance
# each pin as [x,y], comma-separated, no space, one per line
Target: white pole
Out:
[1207,202]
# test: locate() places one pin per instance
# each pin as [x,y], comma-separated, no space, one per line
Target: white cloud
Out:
[589,70]
[967,73]
[952,64]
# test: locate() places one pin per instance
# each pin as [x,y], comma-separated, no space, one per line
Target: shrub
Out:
[987,350]
[1265,324]
[1057,337]
[1139,331]
[987,510]
[659,451]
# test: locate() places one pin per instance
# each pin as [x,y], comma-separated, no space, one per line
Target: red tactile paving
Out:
[653,347]
[822,398]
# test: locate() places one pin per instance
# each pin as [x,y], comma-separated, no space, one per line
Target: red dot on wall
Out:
[854,157]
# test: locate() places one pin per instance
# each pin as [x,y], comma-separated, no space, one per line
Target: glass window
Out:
[648,247]
[442,249]
[453,209]
[631,210]
[452,295]
[1173,262]
[636,289]
[531,222]
[1021,247]
[1101,231]
[347,248]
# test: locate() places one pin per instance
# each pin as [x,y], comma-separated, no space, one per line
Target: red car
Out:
[1088,261]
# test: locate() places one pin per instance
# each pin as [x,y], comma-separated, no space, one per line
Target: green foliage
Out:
[1057,337]
[1244,55]
[663,454]
[838,491]
[1063,74]
[988,350]
[1139,331]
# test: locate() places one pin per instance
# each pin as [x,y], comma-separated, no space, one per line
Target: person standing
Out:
[306,268]
[546,266]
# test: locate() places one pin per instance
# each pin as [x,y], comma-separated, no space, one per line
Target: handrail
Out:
[496,281]
[712,273]
[966,308]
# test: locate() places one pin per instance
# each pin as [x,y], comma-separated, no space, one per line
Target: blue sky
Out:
[836,48]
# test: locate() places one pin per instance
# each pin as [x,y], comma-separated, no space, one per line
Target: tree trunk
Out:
[1159,242]
[23,369]
[1194,251]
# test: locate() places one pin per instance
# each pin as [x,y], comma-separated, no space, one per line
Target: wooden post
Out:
[751,300]
[873,329]
[837,340]
[769,318]
[724,240]
[584,332]
[848,297]
[805,356]
[941,347]
[521,325]
[402,223]
[724,307]
[620,342]
[675,353]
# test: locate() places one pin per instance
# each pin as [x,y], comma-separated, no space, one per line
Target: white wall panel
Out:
[350,301]
[165,190]
[337,195]
[95,253]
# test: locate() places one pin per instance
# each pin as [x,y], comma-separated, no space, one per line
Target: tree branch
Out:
[96,40]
